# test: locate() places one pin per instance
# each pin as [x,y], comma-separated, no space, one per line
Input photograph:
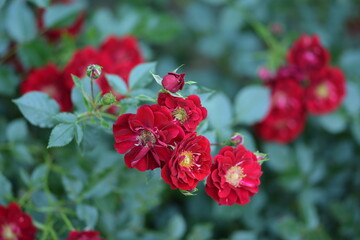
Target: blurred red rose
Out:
[287,115]
[188,112]
[326,91]
[15,224]
[173,82]
[55,34]
[308,54]
[48,79]
[84,235]
[189,164]
[145,137]
[235,176]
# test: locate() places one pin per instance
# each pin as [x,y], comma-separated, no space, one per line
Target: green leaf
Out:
[355,130]
[8,81]
[176,227]
[79,133]
[38,176]
[117,83]
[352,99]
[17,131]
[189,193]
[88,214]
[35,53]
[157,78]
[5,189]
[333,123]
[60,15]
[76,80]
[252,104]
[220,112]
[65,117]
[61,135]
[73,187]
[38,108]
[20,21]
[139,76]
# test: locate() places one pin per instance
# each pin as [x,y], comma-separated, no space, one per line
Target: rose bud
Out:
[108,99]
[93,71]
[173,82]
[237,139]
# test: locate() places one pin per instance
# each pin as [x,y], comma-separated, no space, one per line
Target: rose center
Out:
[188,159]
[310,57]
[147,138]
[180,115]
[8,233]
[280,99]
[322,91]
[234,175]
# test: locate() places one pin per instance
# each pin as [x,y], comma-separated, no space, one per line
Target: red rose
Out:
[326,91]
[281,127]
[173,82]
[15,224]
[308,54]
[287,115]
[188,112]
[146,137]
[189,164]
[84,235]
[55,34]
[81,60]
[235,176]
[49,80]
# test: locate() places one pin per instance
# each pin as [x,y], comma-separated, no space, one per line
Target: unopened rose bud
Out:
[261,157]
[108,99]
[237,139]
[93,71]
[173,82]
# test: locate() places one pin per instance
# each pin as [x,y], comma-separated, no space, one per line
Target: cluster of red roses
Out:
[116,55]
[17,225]
[306,84]
[163,136]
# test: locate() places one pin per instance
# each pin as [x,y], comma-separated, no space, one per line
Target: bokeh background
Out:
[310,187]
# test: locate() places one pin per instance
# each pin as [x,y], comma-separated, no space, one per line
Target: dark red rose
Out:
[188,112]
[147,137]
[326,91]
[49,80]
[189,164]
[280,126]
[289,72]
[81,59]
[287,115]
[15,224]
[55,34]
[235,176]
[173,82]
[308,54]
[84,235]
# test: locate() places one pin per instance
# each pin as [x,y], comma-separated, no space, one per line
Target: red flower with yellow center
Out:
[235,176]
[15,224]
[326,91]
[147,137]
[189,164]
[188,112]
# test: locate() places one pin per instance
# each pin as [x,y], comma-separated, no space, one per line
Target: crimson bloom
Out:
[146,137]
[326,90]
[84,235]
[188,112]
[308,54]
[15,224]
[287,115]
[189,164]
[49,80]
[235,176]
[173,82]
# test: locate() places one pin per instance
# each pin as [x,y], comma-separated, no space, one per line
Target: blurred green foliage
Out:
[310,188]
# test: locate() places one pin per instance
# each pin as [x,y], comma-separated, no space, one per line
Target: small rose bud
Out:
[173,82]
[108,99]
[261,157]
[237,139]
[93,71]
